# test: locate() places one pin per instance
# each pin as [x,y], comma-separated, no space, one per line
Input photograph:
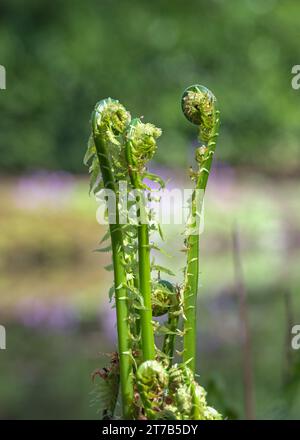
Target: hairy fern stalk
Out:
[143,374]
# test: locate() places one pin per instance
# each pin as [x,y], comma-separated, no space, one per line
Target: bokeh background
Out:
[60,58]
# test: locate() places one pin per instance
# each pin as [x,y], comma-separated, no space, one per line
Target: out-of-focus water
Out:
[54,291]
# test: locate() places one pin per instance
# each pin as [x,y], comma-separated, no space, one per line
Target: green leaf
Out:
[106,391]
[91,150]
[164,330]
[157,248]
[105,249]
[105,237]
[154,178]
[162,269]
[160,232]
[109,267]
[95,174]
[111,293]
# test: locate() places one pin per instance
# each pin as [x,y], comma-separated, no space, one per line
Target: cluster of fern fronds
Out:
[143,374]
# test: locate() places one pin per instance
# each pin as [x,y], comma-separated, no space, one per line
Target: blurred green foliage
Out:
[54,295]
[63,56]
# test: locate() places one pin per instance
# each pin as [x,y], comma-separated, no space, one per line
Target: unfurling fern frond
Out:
[172,394]
[109,120]
[142,138]
[188,396]
[106,390]
[152,381]
[161,297]
[118,152]
[198,106]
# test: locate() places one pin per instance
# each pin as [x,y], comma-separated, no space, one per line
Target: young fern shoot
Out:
[140,148]
[151,385]
[199,106]
[109,120]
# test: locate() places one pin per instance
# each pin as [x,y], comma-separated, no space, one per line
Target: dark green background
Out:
[63,56]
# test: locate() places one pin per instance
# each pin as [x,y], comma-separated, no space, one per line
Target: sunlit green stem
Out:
[147,334]
[190,300]
[192,269]
[120,286]
[170,337]
[148,347]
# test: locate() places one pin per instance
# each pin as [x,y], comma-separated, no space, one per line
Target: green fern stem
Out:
[124,345]
[147,334]
[148,347]
[190,300]
[173,319]
[203,112]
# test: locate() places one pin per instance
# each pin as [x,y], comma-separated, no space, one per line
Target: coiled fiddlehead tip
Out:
[188,396]
[152,374]
[180,374]
[197,102]
[152,381]
[162,297]
[143,138]
[110,116]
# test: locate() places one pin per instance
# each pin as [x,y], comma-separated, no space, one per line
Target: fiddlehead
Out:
[142,138]
[187,396]
[120,149]
[109,118]
[199,106]
[108,122]
[140,147]
[161,297]
[152,381]
[172,394]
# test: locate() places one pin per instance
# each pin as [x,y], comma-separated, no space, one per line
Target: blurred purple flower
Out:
[44,189]
[108,322]
[54,316]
